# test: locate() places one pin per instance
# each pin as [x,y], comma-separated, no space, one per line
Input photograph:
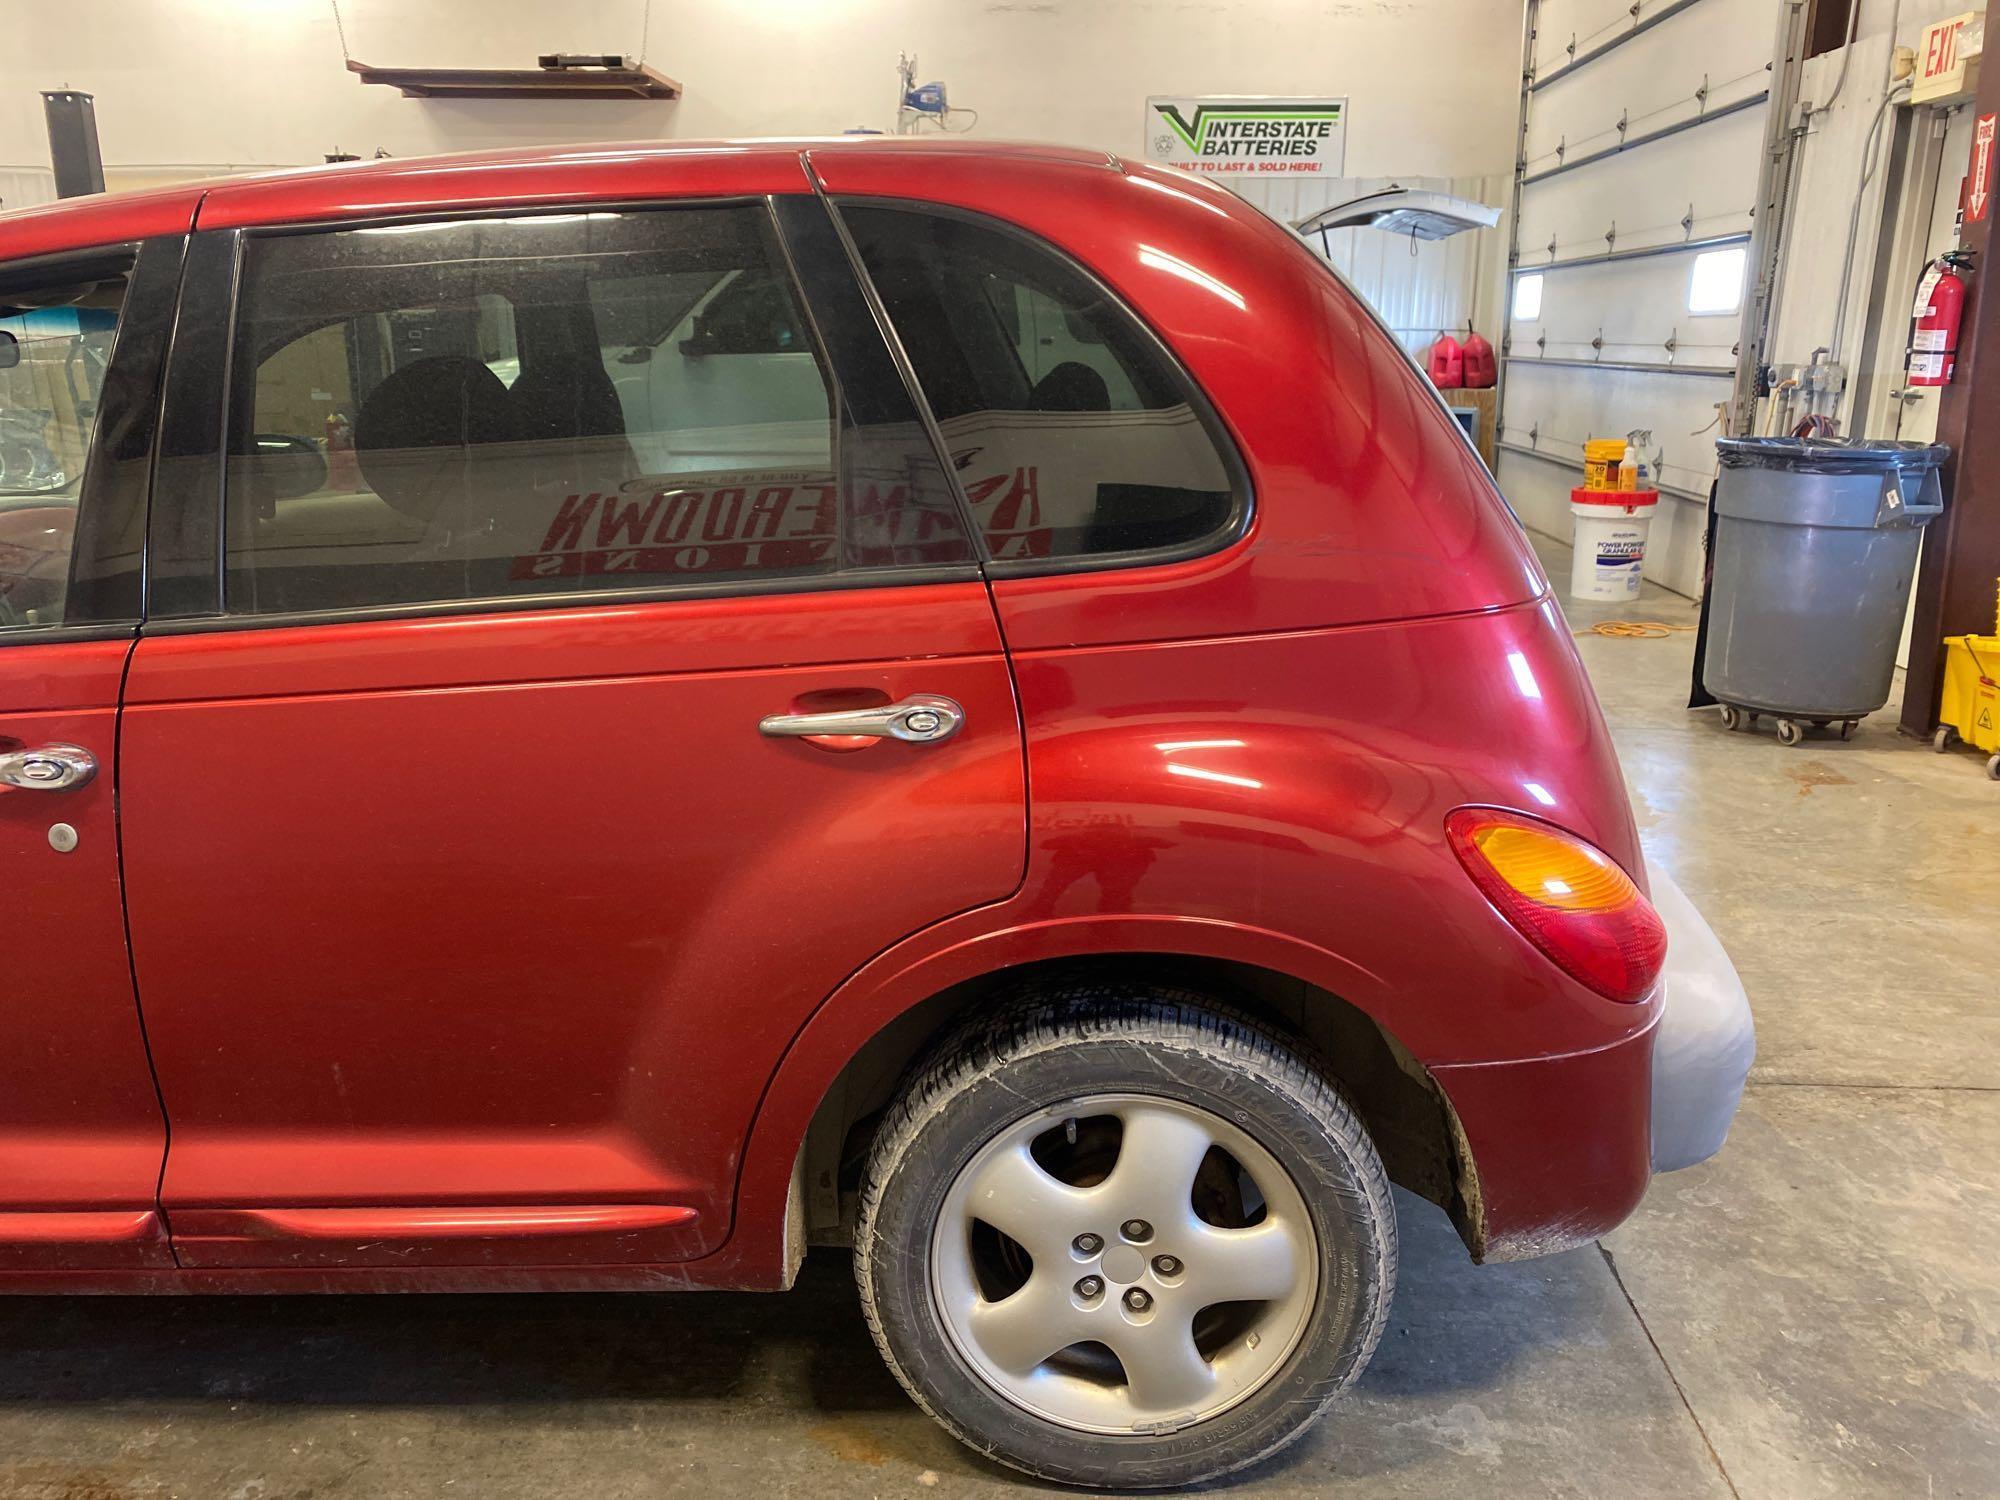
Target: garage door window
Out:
[1072,430]
[560,403]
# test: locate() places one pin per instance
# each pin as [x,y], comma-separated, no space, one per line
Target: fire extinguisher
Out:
[1939,310]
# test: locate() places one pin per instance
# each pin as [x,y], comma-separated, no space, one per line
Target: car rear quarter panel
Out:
[1369,505]
[1278,801]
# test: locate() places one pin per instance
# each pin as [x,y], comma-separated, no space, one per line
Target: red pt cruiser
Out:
[591,719]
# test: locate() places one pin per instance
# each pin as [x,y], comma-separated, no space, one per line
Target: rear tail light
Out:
[1565,897]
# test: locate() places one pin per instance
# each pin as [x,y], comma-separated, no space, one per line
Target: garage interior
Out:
[1662,222]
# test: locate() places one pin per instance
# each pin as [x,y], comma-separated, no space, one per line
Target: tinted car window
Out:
[53,358]
[1072,430]
[551,403]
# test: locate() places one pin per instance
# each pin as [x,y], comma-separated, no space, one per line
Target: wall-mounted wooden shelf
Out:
[625,82]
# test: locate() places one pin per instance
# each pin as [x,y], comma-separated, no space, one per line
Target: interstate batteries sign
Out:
[1248,136]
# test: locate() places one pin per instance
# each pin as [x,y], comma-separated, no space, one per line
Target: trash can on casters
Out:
[1815,547]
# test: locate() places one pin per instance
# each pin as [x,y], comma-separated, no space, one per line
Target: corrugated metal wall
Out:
[1419,287]
[24,187]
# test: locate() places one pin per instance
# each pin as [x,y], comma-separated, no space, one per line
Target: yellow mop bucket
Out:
[1971,707]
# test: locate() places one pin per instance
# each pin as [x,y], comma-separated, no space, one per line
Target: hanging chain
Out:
[341,27]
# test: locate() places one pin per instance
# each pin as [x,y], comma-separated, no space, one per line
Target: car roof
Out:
[546,176]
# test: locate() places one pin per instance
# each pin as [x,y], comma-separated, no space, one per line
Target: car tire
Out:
[1046,1082]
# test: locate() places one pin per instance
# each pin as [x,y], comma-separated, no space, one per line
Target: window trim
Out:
[200,376]
[132,384]
[1243,512]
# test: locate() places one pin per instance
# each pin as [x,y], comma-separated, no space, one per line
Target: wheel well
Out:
[1407,1115]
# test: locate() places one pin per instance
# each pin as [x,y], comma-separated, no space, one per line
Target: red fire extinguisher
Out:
[1447,364]
[1939,310]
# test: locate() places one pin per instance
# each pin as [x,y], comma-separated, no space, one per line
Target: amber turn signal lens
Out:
[1566,897]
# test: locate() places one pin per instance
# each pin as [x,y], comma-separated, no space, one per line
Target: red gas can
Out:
[1481,370]
[1447,367]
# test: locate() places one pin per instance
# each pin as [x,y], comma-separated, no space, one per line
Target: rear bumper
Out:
[1563,1147]
[1559,1146]
[1705,1041]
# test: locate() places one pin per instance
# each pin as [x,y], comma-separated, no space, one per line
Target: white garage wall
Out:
[1696,185]
[1826,182]
[194,87]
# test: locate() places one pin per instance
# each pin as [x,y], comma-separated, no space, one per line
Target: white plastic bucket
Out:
[1610,541]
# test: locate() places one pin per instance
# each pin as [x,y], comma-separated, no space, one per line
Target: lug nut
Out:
[1166,1265]
[1136,1229]
[1138,1300]
[1089,1287]
[1088,1244]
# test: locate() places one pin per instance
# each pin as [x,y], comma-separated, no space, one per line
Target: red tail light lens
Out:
[1565,897]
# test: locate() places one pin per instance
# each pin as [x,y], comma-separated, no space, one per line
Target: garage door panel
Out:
[1653,79]
[1646,191]
[1635,307]
[1556,408]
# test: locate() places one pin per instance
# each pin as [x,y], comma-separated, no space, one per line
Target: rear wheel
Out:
[1125,1241]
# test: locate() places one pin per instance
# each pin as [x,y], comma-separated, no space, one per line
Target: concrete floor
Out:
[1814,1313]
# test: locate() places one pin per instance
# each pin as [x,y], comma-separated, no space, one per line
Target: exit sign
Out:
[1947,59]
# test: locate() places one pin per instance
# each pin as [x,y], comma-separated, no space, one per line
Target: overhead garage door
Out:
[1643,129]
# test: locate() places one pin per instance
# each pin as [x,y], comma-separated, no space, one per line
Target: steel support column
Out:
[1961,557]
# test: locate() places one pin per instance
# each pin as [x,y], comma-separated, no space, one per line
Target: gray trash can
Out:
[1815,547]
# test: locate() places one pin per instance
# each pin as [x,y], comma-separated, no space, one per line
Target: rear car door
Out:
[480,861]
[81,1136]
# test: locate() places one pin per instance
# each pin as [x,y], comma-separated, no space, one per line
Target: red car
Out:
[603,716]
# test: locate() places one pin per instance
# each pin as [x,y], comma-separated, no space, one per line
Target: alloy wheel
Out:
[1124,1263]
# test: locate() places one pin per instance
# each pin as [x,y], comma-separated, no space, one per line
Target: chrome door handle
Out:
[921,719]
[52,768]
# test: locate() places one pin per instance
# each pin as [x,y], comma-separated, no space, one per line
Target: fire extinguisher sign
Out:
[1979,191]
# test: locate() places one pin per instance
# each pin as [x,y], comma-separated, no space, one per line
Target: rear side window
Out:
[55,345]
[1073,432]
[544,404]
